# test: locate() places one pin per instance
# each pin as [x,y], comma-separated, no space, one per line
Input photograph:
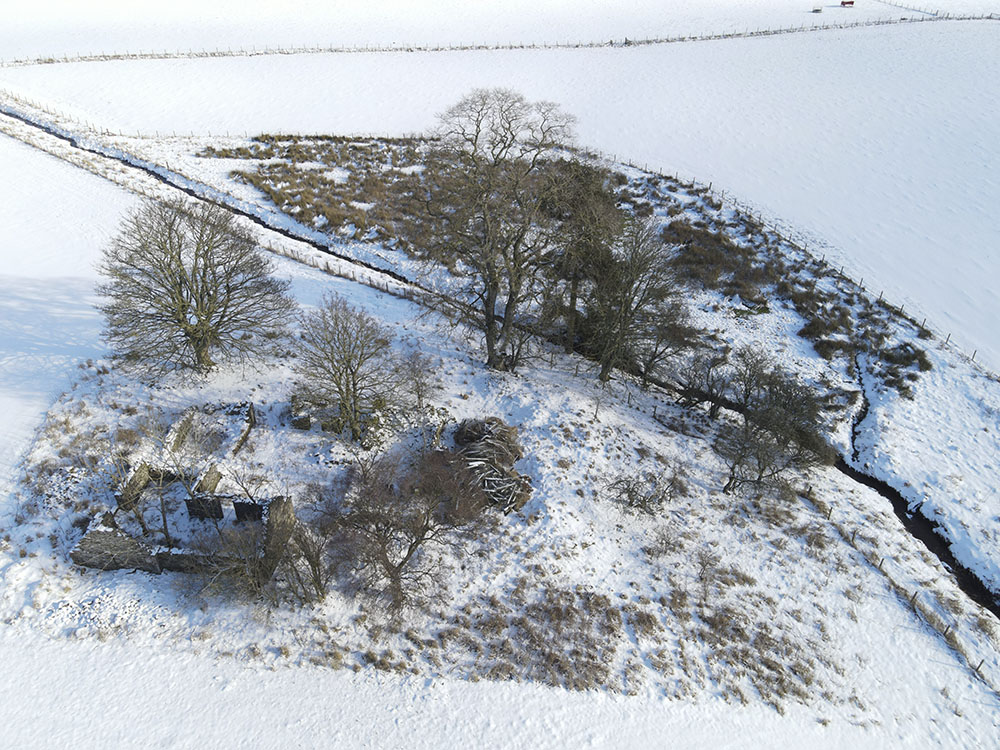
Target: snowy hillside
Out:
[874,145]
[124,606]
[803,616]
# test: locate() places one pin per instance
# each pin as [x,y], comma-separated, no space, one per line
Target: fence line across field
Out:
[930,16]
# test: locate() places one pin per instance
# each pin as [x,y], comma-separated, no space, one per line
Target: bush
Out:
[647,494]
[779,425]
[307,566]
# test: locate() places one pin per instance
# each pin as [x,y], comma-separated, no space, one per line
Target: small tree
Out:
[779,424]
[751,379]
[184,285]
[648,494]
[419,380]
[391,516]
[347,360]
[307,566]
[662,332]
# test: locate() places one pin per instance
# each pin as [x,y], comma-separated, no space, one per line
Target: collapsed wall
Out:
[106,546]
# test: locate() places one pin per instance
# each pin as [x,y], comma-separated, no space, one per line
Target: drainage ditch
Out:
[921,528]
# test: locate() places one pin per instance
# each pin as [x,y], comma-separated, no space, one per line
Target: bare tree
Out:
[589,222]
[633,294]
[347,359]
[133,481]
[751,377]
[662,332]
[307,565]
[185,285]
[485,195]
[647,493]
[116,469]
[391,516]
[419,379]
[251,480]
[706,377]
[779,426]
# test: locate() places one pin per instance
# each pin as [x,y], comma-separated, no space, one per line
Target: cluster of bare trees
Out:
[536,235]
[778,425]
[543,248]
[186,286]
[539,239]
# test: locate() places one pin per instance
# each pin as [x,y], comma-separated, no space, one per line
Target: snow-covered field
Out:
[876,145]
[842,136]
[47,321]
[64,27]
[187,701]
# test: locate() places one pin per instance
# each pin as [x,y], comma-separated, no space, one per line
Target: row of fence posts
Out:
[930,15]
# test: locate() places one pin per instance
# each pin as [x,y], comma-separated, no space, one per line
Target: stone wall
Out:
[106,547]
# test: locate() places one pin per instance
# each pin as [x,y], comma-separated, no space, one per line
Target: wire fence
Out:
[912,9]
[930,16]
[781,231]
[785,234]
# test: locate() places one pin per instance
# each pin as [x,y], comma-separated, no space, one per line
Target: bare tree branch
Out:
[186,285]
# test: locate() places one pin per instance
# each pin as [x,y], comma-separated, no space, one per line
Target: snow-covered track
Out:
[107,161]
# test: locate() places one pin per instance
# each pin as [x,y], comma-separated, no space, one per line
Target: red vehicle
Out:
[846,3]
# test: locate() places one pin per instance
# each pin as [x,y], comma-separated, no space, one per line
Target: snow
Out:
[64,27]
[47,320]
[74,656]
[940,451]
[791,125]
[188,700]
[128,639]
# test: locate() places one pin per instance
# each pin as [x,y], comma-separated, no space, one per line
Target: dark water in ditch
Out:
[917,524]
[926,531]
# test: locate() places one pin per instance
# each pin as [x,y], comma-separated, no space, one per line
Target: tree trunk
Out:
[163,515]
[203,359]
[606,367]
[574,290]
[731,484]
[353,415]
[494,359]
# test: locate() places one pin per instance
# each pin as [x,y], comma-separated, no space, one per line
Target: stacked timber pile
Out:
[490,449]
